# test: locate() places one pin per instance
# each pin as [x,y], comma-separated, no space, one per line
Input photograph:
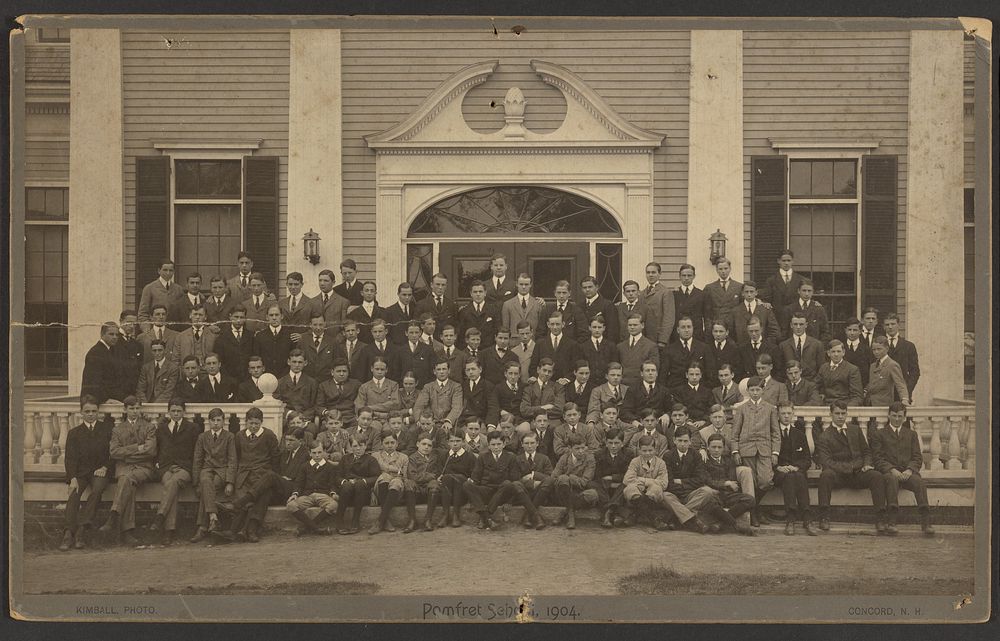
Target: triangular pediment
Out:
[590,122]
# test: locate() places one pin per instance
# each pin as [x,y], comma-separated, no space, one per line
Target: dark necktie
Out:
[317,340]
[156,369]
[244,280]
[326,298]
[197,334]
[524,303]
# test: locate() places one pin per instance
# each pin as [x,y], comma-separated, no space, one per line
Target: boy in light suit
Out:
[133,450]
[572,476]
[757,440]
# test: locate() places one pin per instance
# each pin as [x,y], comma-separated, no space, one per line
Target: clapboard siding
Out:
[46,63]
[193,86]
[827,87]
[643,75]
[46,160]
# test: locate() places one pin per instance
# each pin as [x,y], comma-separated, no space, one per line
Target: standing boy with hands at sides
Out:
[214,471]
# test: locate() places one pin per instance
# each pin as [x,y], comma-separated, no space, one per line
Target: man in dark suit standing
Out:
[273,343]
[500,288]
[846,459]
[689,301]
[296,307]
[839,380]
[158,378]
[598,350]
[681,353]
[332,305]
[249,390]
[578,390]
[722,296]
[412,356]
[858,352]
[219,304]
[219,388]
[350,289]
[479,314]
[635,351]
[574,320]
[896,455]
[870,327]
[234,344]
[496,358]
[318,348]
[239,285]
[660,306]
[559,347]
[749,308]
[756,345]
[128,353]
[594,304]
[366,312]
[399,314]
[817,324]
[902,351]
[781,289]
[175,439]
[801,392]
[180,311]
[438,304]
[722,350]
[100,369]
[478,398]
[803,348]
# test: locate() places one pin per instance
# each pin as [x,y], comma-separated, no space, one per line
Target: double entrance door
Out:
[546,262]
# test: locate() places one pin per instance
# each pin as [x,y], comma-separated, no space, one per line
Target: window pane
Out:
[799,178]
[844,251]
[822,252]
[822,178]
[844,282]
[207,179]
[34,202]
[419,267]
[186,178]
[799,220]
[802,246]
[546,272]
[609,271]
[468,270]
[45,301]
[970,205]
[822,221]
[46,203]
[208,221]
[822,282]
[844,219]
[844,178]
[230,179]
[186,220]
[54,203]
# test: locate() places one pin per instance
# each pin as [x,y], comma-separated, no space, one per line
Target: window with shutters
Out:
[46,308]
[207,217]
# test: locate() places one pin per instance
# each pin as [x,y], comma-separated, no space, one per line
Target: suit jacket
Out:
[623,314]
[128,356]
[492,471]
[541,465]
[721,304]
[334,312]
[653,472]
[481,403]
[718,472]
[727,399]
[444,402]
[126,439]
[661,312]
[234,354]
[660,442]
[508,289]
[215,454]
[813,355]
[606,465]
[364,320]
[686,474]
[248,392]
[236,288]
[176,448]
[524,355]
[255,456]
[841,384]
[381,400]
[632,358]
[715,358]
[892,451]
[157,388]
[319,360]
[769,328]
[509,400]
[397,320]
[535,396]
[257,316]
[637,399]
[226,391]
[147,337]
[190,392]
[328,396]
[606,309]
[804,394]
[579,469]
[780,295]
[274,349]
[599,358]
[905,353]
[511,314]
[155,293]
[494,365]
[748,358]
[443,316]
[565,357]
[861,358]
[574,322]
[179,313]
[546,442]
[589,434]
[456,362]
[699,438]
[350,292]
[100,374]
[420,361]
[486,321]
[601,395]
[845,454]
[795,448]
[755,429]
[886,383]
[697,401]
[676,361]
[322,479]
[693,306]
[87,451]
[817,325]
[187,345]
[775,392]
[359,365]
[461,464]
[218,313]
[867,341]
[582,398]
[300,397]
[297,320]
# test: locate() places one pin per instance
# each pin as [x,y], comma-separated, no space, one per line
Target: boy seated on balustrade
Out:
[133,450]
[88,465]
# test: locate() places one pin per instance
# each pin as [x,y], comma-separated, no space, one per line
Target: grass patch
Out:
[658,580]
[319,588]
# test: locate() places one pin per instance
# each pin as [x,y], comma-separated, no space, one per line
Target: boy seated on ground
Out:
[571,425]
[610,465]
[315,486]
[390,485]
[535,472]
[422,482]
[214,471]
[456,467]
[133,451]
[717,425]
[334,438]
[492,483]
[721,472]
[645,492]
[648,423]
[688,480]
[571,480]
[358,472]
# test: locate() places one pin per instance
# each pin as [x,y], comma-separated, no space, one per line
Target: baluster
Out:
[970,446]
[935,462]
[46,440]
[809,421]
[29,438]
[59,455]
[954,444]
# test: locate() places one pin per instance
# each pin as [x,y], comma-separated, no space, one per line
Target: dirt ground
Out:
[556,561]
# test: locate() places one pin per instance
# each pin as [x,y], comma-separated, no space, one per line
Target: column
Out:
[638,248]
[390,254]
[715,148]
[314,151]
[934,226]
[96,238]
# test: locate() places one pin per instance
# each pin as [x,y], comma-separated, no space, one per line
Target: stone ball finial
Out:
[267,384]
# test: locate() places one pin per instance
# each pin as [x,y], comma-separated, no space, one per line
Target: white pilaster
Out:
[934,224]
[715,149]
[314,151]
[96,245]
[638,232]
[390,253]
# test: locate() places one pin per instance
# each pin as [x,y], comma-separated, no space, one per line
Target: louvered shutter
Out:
[260,215]
[768,204]
[152,218]
[878,228]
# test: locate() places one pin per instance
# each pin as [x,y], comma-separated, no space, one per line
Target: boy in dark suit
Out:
[681,353]
[561,348]
[801,347]
[571,479]
[422,473]
[574,320]
[896,455]
[100,369]
[749,308]
[794,460]
[781,288]
[318,348]
[332,305]
[596,305]
[258,456]
[800,391]
[578,390]
[351,289]
[234,344]
[355,353]
[338,393]
[721,349]
[688,478]
[180,311]
[499,288]
[754,347]
[902,351]
[175,441]
[495,359]
[727,394]
[722,297]
[273,343]
[440,306]
[635,351]
[413,356]
[479,314]
[535,475]
[367,311]
[296,307]
[598,351]
[720,470]
[838,379]
[857,351]
[817,325]
[508,395]
[399,314]
[358,473]
[456,467]
[493,480]
[219,304]
[450,352]
[190,386]
[610,465]
[843,453]
[217,387]
[297,390]
[632,305]
[88,465]
[689,301]
[248,391]
[695,396]
[478,398]
[870,327]
[213,471]
[315,486]
[128,353]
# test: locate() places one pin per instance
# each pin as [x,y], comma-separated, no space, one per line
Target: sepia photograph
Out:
[500,319]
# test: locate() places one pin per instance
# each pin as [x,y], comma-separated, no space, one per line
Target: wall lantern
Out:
[310,246]
[717,246]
